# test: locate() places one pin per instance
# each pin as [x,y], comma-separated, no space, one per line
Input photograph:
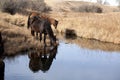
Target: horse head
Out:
[55,24]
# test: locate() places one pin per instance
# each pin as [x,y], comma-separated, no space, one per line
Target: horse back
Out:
[38,25]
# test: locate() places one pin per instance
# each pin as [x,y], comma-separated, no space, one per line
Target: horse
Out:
[35,14]
[41,25]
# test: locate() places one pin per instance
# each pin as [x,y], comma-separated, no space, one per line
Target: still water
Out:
[70,62]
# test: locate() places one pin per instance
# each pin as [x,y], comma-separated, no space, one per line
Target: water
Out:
[70,62]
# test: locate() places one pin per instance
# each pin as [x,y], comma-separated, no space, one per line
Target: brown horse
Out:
[35,14]
[41,25]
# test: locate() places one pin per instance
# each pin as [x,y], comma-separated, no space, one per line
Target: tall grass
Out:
[103,27]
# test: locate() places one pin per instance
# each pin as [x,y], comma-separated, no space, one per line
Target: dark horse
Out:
[51,20]
[41,25]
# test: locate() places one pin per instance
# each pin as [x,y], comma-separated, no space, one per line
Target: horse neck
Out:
[52,22]
[50,33]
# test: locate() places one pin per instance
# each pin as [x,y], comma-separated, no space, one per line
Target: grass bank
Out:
[103,27]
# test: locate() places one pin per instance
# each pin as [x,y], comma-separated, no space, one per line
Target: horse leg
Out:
[45,39]
[40,37]
[36,35]
[45,56]
[51,42]
[51,39]
[32,33]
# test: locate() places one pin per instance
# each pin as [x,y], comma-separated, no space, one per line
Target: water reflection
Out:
[78,60]
[42,59]
[90,44]
[2,69]
[2,64]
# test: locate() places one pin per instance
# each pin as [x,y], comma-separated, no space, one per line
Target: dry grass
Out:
[66,6]
[17,19]
[16,39]
[104,27]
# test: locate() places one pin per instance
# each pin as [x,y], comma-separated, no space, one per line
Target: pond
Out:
[70,61]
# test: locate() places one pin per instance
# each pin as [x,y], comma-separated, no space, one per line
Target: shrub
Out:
[88,8]
[9,7]
[39,6]
[70,34]
[21,6]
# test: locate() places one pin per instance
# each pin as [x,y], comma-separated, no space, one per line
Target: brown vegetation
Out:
[22,6]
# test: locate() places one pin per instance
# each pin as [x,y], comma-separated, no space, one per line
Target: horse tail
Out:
[28,22]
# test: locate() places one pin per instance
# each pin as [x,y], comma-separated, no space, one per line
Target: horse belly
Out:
[36,29]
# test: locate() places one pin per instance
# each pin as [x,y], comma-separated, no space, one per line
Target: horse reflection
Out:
[1,45]
[2,64]
[2,69]
[43,59]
